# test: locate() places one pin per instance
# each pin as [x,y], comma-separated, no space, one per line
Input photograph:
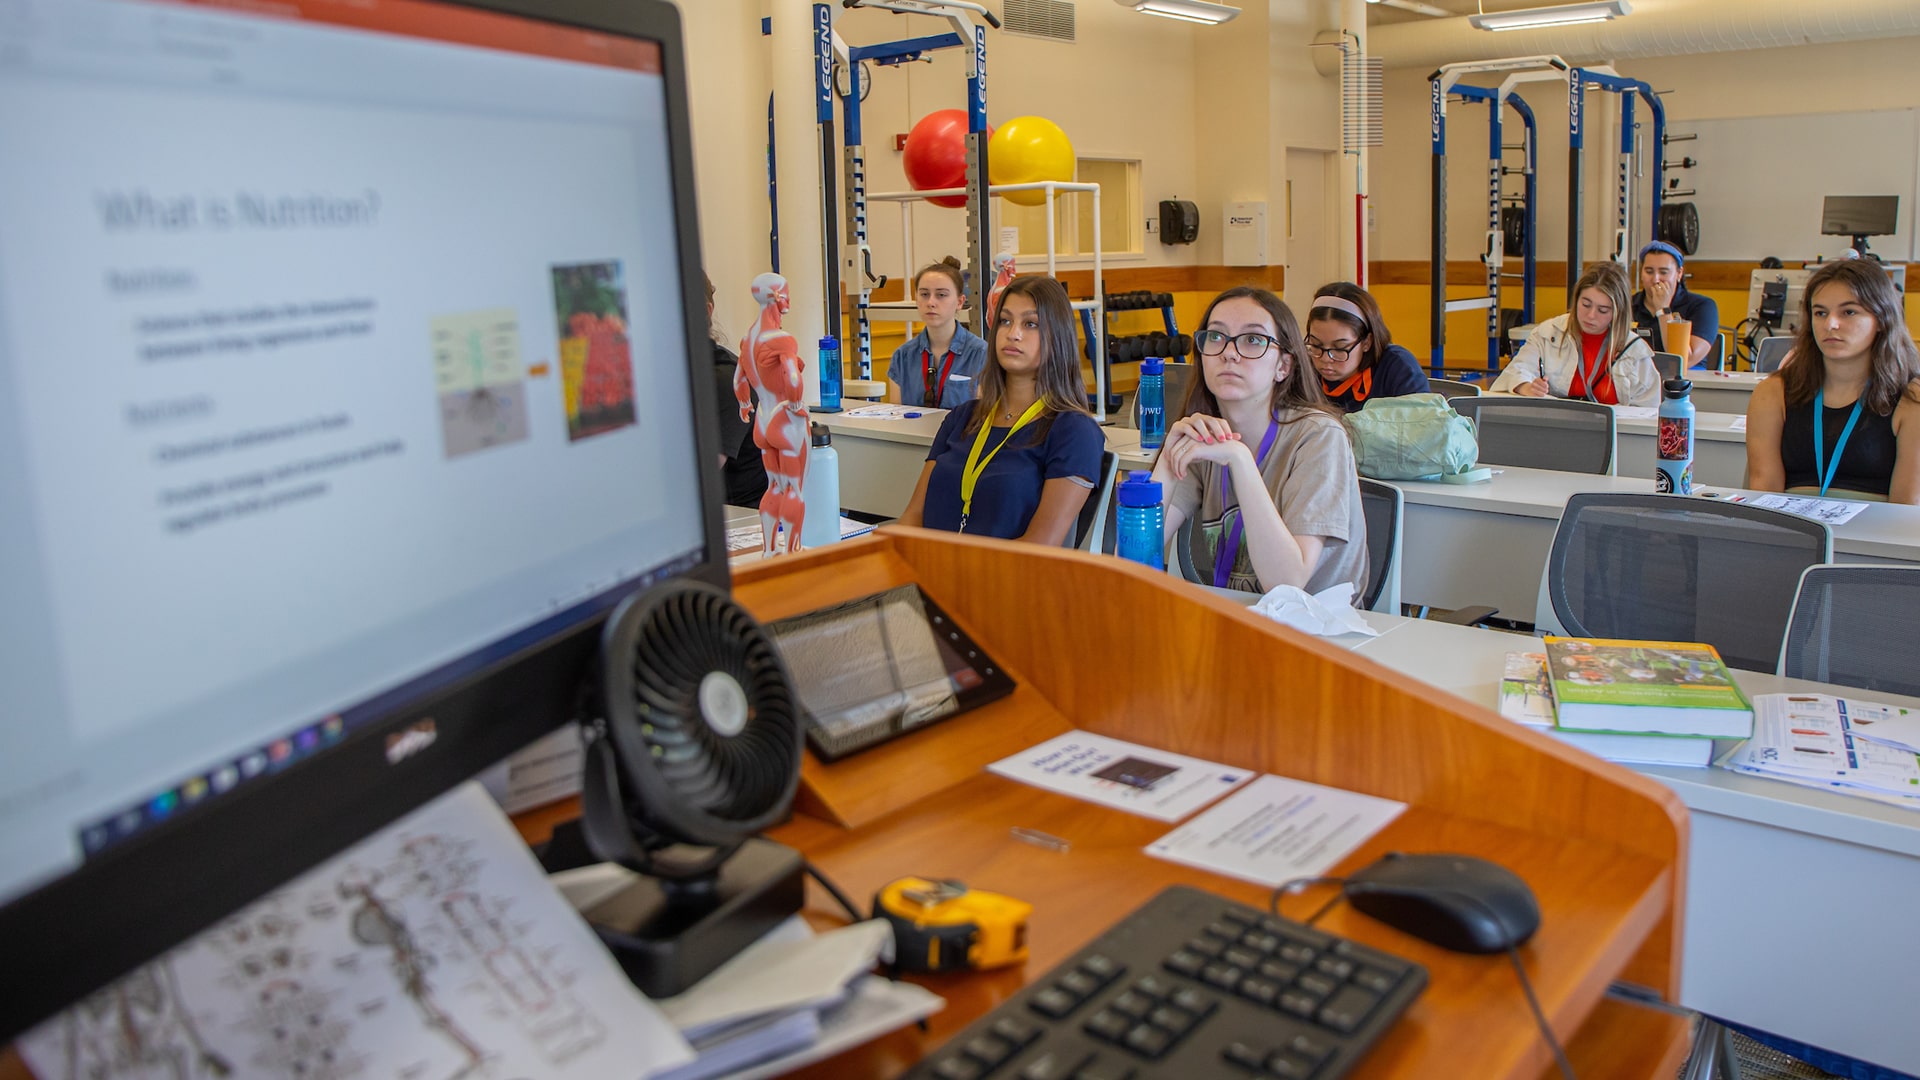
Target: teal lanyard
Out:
[1820,467]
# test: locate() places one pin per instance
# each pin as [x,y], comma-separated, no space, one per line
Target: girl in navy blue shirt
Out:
[937,367]
[1348,344]
[1018,461]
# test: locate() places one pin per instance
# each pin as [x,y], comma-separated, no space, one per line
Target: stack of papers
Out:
[750,540]
[790,998]
[1831,511]
[1824,742]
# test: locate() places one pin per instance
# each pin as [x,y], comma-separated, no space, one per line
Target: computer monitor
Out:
[1860,215]
[352,368]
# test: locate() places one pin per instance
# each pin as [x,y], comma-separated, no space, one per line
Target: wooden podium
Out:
[1113,648]
[1102,645]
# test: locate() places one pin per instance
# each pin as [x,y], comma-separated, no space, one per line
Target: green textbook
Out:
[1646,688]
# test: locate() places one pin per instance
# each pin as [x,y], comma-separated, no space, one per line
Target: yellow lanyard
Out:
[970,475]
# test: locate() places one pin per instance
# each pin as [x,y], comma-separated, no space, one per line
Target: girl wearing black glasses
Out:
[1260,478]
[1348,344]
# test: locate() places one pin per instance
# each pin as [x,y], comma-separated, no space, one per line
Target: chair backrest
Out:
[1669,365]
[1853,625]
[1717,355]
[1677,568]
[1771,353]
[1453,388]
[1541,433]
[1090,528]
[1381,504]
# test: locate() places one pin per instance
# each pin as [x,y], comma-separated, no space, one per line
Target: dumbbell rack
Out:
[1131,349]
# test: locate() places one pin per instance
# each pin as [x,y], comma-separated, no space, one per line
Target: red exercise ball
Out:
[936,154]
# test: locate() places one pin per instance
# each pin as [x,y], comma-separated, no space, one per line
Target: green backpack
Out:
[1415,437]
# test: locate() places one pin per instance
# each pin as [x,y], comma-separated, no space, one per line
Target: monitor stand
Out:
[669,934]
[1860,248]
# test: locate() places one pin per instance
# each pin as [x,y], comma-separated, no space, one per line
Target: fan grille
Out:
[682,639]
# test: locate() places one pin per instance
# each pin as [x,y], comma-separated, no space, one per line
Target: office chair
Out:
[1090,529]
[1771,353]
[1381,504]
[1716,358]
[1542,433]
[1676,568]
[1453,388]
[1669,365]
[1853,625]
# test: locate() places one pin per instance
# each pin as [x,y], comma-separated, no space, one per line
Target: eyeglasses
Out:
[1250,346]
[1339,353]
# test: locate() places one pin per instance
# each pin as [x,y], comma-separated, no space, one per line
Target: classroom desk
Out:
[1487,543]
[880,460]
[1719,447]
[1788,888]
[1723,391]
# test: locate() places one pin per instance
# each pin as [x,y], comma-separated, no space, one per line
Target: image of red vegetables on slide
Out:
[596,360]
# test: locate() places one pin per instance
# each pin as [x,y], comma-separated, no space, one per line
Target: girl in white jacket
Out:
[1590,353]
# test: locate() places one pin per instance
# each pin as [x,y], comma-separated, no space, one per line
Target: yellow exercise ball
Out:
[1029,150]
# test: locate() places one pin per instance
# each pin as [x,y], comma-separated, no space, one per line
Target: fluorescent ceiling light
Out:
[1562,15]
[1193,11]
[1417,8]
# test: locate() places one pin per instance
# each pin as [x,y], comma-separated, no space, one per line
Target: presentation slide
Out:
[330,358]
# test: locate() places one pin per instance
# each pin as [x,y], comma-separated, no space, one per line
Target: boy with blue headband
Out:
[1663,292]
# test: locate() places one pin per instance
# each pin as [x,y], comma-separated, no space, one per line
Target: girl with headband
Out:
[1590,353]
[1842,416]
[1348,344]
[1260,481]
[1018,461]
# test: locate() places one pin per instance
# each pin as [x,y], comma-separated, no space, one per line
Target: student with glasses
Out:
[1348,344]
[1259,474]
[1590,353]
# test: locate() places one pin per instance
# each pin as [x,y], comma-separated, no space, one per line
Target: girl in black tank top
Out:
[1866,463]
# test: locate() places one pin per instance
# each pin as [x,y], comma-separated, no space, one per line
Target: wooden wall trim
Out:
[1207,279]
[1702,275]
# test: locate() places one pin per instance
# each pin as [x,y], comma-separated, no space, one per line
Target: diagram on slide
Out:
[478,375]
[596,359]
[426,953]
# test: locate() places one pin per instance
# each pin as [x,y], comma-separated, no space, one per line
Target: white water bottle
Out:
[822,491]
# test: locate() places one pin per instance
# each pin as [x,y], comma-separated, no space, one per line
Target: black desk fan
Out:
[696,751]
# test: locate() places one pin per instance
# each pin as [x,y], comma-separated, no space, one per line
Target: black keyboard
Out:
[1191,985]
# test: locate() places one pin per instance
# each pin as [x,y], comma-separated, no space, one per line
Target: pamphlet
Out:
[748,538]
[1137,779]
[1810,739]
[1275,830]
[1831,511]
[884,411]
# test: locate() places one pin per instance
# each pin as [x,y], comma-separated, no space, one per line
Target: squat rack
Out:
[1603,78]
[828,46]
[1443,82]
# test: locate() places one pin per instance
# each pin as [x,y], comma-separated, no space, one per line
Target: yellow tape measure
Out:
[941,925]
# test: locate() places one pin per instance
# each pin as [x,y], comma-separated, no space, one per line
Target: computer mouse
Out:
[1457,902]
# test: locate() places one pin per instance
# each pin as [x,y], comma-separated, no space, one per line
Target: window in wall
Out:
[1122,223]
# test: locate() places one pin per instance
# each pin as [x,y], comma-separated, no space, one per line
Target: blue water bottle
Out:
[829,375]
[1675,475]
[1143,522]
[1151,401]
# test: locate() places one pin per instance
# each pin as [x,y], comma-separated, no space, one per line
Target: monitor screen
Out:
[347,358]
[1860,215]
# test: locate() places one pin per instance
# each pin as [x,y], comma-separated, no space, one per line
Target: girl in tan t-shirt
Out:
[1260,462]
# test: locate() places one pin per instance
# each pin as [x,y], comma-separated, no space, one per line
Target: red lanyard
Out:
[934,392]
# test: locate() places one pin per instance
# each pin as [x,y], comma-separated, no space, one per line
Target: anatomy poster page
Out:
[434,950]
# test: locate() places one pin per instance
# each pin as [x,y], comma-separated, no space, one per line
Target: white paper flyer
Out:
[1137,779]
[1276,829]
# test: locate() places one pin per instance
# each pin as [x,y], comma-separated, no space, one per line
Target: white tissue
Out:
[1328,613]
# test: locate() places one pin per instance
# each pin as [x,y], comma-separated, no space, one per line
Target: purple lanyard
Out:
[1229,549]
